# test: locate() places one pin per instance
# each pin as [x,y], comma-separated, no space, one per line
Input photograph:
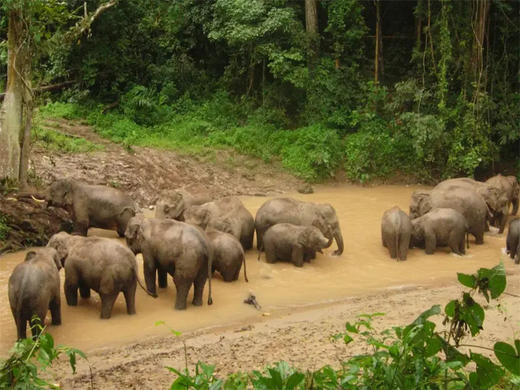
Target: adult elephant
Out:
[288,210]
[227,215]
[92,205]
[464,200]
[100,264]
[174,205]
[34,288]
[508,186]
[495,199]
[176,248]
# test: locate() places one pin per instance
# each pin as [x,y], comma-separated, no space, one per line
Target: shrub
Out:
[315,154]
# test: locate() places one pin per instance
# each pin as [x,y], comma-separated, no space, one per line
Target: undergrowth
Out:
[4,228]
[414,356]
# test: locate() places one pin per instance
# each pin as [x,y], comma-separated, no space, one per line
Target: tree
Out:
[28,21]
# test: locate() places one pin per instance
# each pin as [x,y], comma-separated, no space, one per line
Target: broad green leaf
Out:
[450,308]
[507,355]
[487,374]
[294,380]
[432,311]
[467,280]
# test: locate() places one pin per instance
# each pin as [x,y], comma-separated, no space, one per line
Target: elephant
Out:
[101,264]
[285,241]
[513,240]
[228,255]
[464,200]
[227,215]
[174,205]
[92,205]
[175,248]
[507,185]
[496,201]
[34,288]
[440,227]
[396,230]
[288,210]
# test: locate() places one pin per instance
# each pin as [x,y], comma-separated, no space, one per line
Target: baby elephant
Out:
[101,264]
[285,241]
[396,230]
[228,255]
[440,227]
[34,288]
[513,240]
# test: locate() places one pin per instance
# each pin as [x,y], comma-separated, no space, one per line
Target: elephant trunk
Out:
[210,272]
[502,221]
[144,288]
[339,240]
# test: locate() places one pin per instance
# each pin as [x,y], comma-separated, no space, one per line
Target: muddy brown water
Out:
[364,268]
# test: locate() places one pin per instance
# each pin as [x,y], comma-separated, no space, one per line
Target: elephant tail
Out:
[260,249]
[144,288]
[245,273]
[210,272]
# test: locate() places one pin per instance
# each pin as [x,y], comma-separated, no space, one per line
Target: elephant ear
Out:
[56,258]
[30,255]
[304,236]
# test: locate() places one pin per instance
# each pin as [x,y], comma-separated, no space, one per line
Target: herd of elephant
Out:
[453,209]
[189,238]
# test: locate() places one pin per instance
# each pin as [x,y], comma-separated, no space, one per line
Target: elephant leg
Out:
[21,328]
[392,248]
[129,294]
[198,287]
[71,293]
[502,223]
[260,238]
[107,303]
[430,243]
[270,254]
[454,243]
[55,307]
[479,237]
[515,206]
[182,286]
[297,256]
[84,291]
[163,278]
[38,322]
[404,244]
[149,270]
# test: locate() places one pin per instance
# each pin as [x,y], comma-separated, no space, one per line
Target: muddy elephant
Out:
[175,248]
[34,288]
[174,205]
[509,187]
[288,210]
[295,243]
[464,200]
[227,215]
[513,240]
[100,264]
[396,230]
[92,205]
[495,199]
[440,227]
[228,255]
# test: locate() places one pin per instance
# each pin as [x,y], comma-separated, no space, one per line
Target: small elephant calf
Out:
[440,227]
[34,288]
[285,241]
[396,231]
[513,240]
[228,255]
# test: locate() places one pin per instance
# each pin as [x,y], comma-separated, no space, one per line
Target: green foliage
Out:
[4,228]
[56,141]
[415,356]
[29,358]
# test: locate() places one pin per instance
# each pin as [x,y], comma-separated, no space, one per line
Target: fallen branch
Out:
[45,88]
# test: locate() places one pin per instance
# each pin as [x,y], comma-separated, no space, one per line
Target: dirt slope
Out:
[145,172]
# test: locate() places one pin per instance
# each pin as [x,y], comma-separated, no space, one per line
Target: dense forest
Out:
[422,89]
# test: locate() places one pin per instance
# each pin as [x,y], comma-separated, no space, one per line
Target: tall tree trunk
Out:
[479,23]
[12,113]
[378,65]
[311,26]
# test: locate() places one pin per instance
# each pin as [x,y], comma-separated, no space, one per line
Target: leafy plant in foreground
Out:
[29,358]
[416,356]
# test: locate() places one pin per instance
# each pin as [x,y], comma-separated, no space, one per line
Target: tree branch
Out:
[85,23]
